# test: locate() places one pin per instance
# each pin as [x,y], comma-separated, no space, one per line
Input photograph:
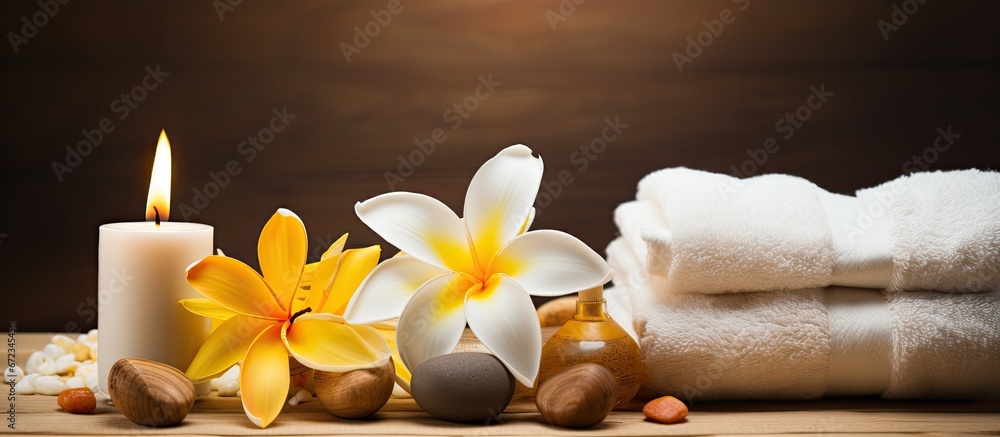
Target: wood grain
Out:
[224,416]
[150,393]
[579,396]
[355,121]
[356,394]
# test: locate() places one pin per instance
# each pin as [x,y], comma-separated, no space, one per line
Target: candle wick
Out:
[157,212]
[301,312]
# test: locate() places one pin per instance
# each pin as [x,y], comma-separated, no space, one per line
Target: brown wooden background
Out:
[354,119]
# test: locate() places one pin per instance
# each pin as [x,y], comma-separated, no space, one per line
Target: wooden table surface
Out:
[224,416]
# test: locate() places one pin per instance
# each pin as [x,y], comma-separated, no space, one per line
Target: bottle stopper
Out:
[595,294]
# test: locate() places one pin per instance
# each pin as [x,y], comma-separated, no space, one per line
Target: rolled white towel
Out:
[712,233]
[810,343]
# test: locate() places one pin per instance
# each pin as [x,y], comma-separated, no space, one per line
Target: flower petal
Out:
[421,226]
[308,272]
[206,308]
[234,285]
[504,319]
[323,342]
[499,199]
[264,377]
[335,248]
[353,267]
[322,275]
[388,331]
[282,250]
[225,346]
[385,292]
[434,320]
[375,340]
[527,221]
[551,263]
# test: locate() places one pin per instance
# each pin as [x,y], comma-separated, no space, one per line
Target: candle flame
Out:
[159,182]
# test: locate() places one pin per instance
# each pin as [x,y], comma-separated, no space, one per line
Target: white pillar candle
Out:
[142,274]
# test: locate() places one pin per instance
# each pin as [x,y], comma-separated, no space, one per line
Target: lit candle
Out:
[141,276]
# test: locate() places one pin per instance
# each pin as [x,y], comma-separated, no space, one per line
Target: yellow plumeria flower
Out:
[478,270]
[265,322]
[386,329]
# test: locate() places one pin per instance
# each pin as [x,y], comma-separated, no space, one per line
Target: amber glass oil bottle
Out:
[593,336]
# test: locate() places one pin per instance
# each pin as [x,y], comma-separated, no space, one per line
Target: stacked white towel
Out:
[691,234]
[712,233]
[810,343]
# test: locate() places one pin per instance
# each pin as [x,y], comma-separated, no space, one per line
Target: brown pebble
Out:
[77,400]
[150,393]
[356,394]
[578,396]
[667,409]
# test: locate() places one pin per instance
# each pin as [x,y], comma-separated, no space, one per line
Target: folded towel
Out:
[945,229]
[809,343]
[713,233]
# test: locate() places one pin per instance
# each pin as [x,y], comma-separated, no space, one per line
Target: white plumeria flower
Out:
[480,269]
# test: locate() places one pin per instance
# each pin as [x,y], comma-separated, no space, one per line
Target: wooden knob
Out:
[356,394]
[578,396]
[150,393]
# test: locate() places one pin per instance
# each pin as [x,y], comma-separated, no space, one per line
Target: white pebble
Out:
[85,369]
[302,396]
[231,375]
[14,374]
[62,341]
[35,360]
[230,389]
[92,335]
[91,381]
[75,382]
[92,345]
[47,368]
[65,364]
[54,351]
[27,385]
[49,385]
